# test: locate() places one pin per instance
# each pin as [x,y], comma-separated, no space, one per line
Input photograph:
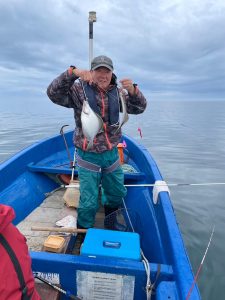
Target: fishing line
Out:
[149,286]
[201,264]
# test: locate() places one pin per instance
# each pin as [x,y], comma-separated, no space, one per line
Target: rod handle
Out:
[56,229]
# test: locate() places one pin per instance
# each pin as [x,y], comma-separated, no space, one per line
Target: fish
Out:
[124,117]
[91,123]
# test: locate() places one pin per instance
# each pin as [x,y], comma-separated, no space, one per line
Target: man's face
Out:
[102,77]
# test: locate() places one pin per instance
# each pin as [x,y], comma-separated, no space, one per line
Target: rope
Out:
[149,285]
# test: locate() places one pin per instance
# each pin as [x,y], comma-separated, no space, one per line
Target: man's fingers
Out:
[127,84]
[86,76]
[125,79]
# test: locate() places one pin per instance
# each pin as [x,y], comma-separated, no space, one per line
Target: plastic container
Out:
[111,243]
[54,243]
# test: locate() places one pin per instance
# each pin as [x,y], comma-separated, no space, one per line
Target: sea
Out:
[187,141]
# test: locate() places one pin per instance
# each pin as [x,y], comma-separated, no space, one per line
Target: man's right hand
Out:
[84,75]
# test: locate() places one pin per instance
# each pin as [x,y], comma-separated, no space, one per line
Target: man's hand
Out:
[84,75]
[127,84]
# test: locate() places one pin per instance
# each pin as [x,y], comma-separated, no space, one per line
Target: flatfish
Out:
[91,123]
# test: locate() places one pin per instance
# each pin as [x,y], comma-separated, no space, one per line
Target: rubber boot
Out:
[79,239]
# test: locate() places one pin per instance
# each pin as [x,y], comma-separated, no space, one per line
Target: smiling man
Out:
[99,163]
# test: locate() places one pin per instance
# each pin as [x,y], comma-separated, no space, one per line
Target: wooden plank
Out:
[47,214]
[46,292]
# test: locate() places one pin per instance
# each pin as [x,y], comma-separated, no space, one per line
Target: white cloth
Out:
[159,186]
[67,222]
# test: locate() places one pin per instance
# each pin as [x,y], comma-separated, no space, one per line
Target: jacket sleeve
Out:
[59,91]
[137,103]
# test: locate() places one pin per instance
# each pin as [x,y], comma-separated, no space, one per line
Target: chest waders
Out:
[99,171]
[96,168]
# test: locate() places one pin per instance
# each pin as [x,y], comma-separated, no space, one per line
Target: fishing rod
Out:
[67,293]
[200,266]
[162,184]
[65,142]
[174,184]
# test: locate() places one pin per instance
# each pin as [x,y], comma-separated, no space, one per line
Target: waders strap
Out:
[17,267]
[96,168]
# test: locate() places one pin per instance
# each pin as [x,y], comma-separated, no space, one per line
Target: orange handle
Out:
[120,151]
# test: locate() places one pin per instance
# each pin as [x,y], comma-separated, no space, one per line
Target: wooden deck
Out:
[46,292]
[48,213]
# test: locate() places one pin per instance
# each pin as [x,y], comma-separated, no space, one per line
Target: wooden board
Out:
[48,213]
[46,292]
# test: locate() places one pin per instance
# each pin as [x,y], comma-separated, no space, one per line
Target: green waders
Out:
[112,183]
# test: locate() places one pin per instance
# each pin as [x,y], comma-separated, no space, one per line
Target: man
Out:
[99,87]
[16,278]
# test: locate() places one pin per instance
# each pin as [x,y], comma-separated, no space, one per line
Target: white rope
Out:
[145,261]
[124,204]
[148,287]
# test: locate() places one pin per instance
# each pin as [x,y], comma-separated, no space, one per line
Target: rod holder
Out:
[92,16]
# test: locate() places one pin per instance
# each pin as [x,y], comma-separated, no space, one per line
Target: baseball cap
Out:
[102,61]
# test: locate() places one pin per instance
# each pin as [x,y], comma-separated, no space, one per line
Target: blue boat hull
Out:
[24,184]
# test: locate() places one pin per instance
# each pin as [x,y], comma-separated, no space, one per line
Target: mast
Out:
[92,18]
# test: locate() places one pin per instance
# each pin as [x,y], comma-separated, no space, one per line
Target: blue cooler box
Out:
[110,243]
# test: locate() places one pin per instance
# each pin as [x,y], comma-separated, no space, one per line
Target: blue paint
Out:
[111,243]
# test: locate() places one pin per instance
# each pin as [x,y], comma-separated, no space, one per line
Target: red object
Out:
[65,178]
[9,283]
[140,132]
[120,147]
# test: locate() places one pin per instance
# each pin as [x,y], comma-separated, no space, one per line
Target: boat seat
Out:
[50,169]
[138,176]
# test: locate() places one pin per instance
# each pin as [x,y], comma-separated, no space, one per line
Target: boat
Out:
[153,265]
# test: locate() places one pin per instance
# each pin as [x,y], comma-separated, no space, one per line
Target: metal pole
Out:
[92,18]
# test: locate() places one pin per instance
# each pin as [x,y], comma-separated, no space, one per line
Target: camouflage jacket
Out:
[67,91]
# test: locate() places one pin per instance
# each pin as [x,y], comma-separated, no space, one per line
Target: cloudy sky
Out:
[174,49]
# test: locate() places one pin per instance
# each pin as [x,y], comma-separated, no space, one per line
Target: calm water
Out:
[187,140]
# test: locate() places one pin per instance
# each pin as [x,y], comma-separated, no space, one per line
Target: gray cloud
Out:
[171,48]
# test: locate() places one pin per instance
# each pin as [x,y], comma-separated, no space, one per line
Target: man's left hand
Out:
[127,84]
